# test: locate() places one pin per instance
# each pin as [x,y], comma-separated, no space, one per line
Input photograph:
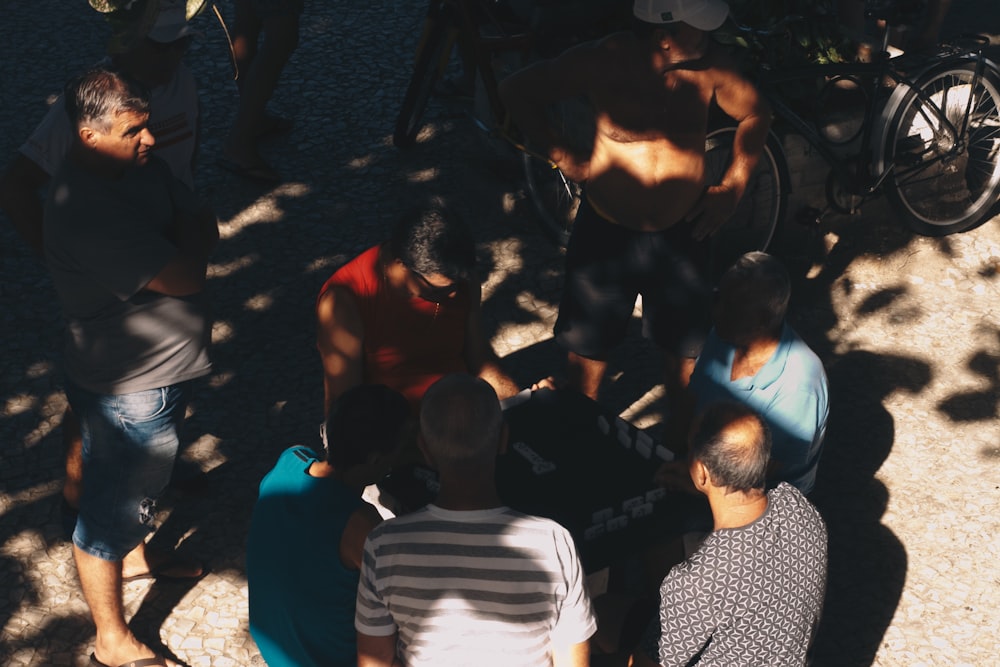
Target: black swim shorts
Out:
[608,265]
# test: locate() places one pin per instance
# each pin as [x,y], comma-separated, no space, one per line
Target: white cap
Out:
[704,15]
[171,22]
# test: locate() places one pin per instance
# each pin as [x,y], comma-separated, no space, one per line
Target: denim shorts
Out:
[129,445]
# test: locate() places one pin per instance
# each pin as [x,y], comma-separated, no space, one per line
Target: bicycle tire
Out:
[760,214]
[935,189]
[555,197]
[426,71]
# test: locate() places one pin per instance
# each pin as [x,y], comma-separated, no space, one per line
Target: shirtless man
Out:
[646,210]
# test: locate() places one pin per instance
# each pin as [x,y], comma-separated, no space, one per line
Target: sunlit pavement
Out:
[908,327]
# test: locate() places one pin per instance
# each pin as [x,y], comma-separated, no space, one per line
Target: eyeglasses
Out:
[431,292]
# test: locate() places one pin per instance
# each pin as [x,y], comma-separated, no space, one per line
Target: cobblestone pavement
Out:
[908,327]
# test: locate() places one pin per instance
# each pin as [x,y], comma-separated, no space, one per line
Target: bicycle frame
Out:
[863,173]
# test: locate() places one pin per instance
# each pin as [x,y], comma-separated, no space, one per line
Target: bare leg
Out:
[73,442]
[101,581]
[281,36]
[680,403]
[585,374]
[246,32]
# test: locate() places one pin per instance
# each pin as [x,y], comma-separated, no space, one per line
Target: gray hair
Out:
[734,444]
[95,97]
[762,280]
[461,421]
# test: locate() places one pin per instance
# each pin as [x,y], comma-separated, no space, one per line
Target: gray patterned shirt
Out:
[750,595]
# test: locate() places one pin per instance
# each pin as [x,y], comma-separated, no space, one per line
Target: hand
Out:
[545,383]
[713,210]
[572,168]
[674,476]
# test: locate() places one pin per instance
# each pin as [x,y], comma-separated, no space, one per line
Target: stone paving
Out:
[908,327]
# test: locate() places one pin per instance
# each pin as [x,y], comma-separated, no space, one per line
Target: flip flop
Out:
[170,562]
[142,662]
[262,173]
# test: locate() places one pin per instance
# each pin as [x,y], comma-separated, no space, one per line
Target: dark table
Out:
[571,460]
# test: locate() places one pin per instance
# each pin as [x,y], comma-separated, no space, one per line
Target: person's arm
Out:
[21,201]
[741,101]
[577,655]
[377,651]
[480,358]
[194,234]
[352,541]
[529,93]
[339,337]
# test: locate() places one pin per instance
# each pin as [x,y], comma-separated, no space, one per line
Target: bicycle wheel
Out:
[556,198]
[760,213]
[941,183]
[426,71]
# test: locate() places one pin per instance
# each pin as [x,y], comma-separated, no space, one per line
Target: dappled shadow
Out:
[867,562]
[346,186]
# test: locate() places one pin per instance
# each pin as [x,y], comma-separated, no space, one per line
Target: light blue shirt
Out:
[790,392]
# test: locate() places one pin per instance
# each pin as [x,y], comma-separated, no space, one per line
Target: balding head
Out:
[733,444]
[460,421]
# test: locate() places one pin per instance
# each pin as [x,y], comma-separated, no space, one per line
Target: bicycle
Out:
[929,135]
[500,37]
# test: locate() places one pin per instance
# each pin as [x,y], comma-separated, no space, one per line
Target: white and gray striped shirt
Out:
[485,587]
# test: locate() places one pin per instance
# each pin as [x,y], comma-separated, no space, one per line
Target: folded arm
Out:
[194,234]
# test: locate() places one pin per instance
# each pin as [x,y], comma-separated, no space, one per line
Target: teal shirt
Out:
[789,392]
[301,596]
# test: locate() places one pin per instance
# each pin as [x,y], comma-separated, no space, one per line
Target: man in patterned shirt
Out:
[465,580]
[753,592]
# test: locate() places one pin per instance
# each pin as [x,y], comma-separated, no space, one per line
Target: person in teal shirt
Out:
[753,357]
[308,530]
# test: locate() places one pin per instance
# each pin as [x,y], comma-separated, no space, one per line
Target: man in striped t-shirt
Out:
[466,580]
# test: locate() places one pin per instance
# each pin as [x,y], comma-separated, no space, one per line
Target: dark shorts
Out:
[608,265]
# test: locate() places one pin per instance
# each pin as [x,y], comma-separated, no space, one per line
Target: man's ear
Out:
[88,136]
[699,475]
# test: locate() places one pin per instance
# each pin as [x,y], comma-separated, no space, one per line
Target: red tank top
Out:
[408,342]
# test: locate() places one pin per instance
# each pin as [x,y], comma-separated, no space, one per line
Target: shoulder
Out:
[600,54]
[788,501]
[391,529]
[724,72]
[802,360]
[357,273]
